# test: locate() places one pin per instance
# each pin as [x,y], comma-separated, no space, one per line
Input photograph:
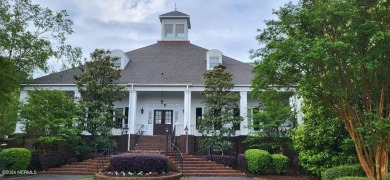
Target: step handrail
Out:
[173,135]
[182,158]
[103,159]
[138,136]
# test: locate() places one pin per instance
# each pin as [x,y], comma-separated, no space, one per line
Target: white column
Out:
[132,110]
[243,112]
[187,110]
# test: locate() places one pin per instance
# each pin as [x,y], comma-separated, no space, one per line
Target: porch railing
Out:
[192,130]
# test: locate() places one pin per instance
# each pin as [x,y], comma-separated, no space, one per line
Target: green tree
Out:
[30,35]
[98,92]
[336,52]
[219,120]
[273,122]
[322,141]
[9,98]
[49,115]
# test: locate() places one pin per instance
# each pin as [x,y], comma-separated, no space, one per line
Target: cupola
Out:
[174,26]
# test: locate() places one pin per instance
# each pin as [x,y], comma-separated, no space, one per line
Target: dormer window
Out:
[214,61]
[214,58]
[168,30]
[121,59]
[117,63]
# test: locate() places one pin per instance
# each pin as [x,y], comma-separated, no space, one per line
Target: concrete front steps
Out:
[199,166]
[88,167]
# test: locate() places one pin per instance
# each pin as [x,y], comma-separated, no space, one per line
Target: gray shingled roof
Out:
[164,63]
[176,15]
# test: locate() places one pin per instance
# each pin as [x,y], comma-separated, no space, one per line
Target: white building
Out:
[164,82]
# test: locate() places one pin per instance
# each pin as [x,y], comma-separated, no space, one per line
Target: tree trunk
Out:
[381,162]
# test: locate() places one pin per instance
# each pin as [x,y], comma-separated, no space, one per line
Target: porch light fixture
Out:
[186,131]
[142,110]
[162,97]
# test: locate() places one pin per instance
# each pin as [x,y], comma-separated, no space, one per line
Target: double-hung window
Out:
[168,30]
[179,30]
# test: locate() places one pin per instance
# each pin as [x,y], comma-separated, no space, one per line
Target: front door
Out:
[162,121]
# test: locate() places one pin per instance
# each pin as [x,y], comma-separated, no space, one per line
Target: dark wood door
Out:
[162,121]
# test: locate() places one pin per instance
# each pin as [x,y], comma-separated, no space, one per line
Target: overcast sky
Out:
[227,25]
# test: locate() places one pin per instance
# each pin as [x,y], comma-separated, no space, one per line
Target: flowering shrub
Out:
[139,163]
[230,161]
[129,174]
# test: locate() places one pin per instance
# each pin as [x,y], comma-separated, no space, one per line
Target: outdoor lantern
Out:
[142,110]
[167,130]
[186,130]
[124,130]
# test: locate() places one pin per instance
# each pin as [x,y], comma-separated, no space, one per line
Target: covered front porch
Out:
[157,110]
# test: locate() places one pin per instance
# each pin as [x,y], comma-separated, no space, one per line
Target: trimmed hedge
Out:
[242,163]
[53,160]
[230,161]
[355,178]
[258,160]
[138,162]
[343,171]
[279,163]
[15,158]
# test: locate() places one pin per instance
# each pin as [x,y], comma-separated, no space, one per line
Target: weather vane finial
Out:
[175,7]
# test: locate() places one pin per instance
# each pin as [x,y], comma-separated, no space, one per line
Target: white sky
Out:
[227,25]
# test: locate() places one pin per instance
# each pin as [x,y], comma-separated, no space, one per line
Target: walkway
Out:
[76,177]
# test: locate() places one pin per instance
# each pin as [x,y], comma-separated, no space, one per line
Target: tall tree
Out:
[337,52]
[30,35]
[98,92]
[8,98]
[219,120]
[50,117]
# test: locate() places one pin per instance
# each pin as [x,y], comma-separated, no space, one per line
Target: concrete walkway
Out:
[47,177]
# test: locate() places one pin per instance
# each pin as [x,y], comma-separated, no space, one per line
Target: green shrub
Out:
[279,163]
[343,171]
[355,178]
[15,158]
[258,160]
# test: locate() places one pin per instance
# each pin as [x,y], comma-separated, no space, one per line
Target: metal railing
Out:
[138,135]
[103,159]
[179,159]
[173,135]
